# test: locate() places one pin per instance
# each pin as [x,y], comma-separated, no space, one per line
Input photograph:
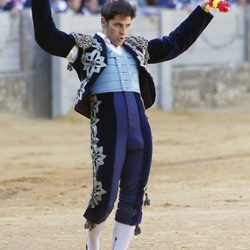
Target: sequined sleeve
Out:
[73,54]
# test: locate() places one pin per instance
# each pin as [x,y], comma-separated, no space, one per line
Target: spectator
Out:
[6,5]
[189,5]
[101,2]
[85,7]
[26,3]
[75,6]
[90,7]
[9,5]
[243,3]
[151,2]
[170,4]
[59,5]
[56,5]
[144,9]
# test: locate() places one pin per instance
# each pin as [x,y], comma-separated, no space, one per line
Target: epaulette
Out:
[137,41]
[83,41]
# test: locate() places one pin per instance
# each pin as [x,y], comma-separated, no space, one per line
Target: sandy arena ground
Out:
[199,185]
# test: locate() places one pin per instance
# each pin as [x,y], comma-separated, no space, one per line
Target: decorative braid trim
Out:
[139,42]
[83,41]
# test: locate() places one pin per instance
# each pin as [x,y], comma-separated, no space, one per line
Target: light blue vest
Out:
[121,74]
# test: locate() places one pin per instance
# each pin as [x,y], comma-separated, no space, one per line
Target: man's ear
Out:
[103,22]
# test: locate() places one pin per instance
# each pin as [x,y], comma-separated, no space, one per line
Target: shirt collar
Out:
[117,49]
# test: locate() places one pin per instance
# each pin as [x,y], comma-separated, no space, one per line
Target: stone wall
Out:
[13,93]
[213,73]
[25,70]
[211,87]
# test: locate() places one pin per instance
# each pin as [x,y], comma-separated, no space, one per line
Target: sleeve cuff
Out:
[73,54]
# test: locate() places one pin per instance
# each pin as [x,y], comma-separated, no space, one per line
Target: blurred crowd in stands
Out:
[91,7]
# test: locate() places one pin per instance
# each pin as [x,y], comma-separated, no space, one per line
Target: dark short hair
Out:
[120,7]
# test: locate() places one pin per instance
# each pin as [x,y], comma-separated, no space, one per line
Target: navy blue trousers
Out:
[121,149]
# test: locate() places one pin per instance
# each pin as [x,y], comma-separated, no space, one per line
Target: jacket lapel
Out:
[103,45]
[94,61]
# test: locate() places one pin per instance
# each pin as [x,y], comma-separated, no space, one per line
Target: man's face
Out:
[3,3]
[74,4]
[116,29]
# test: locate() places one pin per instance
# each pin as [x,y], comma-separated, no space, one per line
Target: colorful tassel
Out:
[137,230]
[220,5]
[89,225]
[147,200]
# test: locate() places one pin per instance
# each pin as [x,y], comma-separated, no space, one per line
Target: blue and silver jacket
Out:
[93,59]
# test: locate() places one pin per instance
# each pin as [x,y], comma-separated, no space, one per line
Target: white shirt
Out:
[117,50]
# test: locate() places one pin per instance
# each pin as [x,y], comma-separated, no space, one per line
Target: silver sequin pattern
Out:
[96,154]
[83,41]
[135,42]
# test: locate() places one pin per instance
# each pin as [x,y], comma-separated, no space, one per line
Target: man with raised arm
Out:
[115,90]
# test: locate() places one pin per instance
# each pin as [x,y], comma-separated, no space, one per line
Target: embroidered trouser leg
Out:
[121,148]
